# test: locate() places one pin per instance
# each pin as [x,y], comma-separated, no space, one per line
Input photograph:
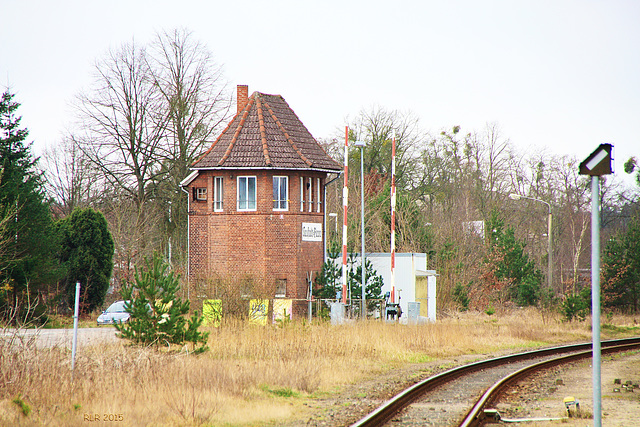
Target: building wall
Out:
[264,244]
[407,267]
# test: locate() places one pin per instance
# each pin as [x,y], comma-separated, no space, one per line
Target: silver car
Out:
[114,314]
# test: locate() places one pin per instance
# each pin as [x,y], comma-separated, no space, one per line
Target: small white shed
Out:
[414,283]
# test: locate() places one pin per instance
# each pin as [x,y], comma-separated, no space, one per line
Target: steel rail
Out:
[391,407]
[475,417]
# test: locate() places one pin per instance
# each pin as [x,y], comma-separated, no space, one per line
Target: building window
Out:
[280,193]
[281,288]
[301,194]
[218,193]
[246,193]
[318,198]
[200,193]
[310,190]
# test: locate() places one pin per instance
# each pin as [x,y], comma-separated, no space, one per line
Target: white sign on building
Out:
[311,232]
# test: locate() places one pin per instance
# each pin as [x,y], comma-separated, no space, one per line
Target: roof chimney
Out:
[243,96]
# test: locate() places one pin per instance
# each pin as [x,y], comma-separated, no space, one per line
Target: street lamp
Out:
[362,144]
[549,244]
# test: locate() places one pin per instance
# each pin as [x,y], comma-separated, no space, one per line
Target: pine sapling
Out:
[158,316]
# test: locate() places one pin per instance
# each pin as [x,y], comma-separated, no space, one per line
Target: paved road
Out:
[45,338]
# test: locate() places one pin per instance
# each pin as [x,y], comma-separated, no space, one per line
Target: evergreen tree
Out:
[621,270]
[373,287]
[87,254]
[510,264]
[577,306]
[27,263]
[157,314]
[327,282]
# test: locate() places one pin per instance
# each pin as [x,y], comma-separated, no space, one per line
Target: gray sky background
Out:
[559,76]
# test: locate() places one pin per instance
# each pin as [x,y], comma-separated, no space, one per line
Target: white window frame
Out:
[319,202]
[301,194]
[218,194]
[279,200]
[201,194]
[310,181]
[255,193]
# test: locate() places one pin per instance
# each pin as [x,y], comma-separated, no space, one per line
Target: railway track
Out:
[459,396]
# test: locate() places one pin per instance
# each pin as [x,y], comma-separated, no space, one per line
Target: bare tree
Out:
[465,174]
[491,155]
[195,103]
[572,220]
[152,110]
[377,126]
[194,97]
[70,178]
[120,132]
[121,129]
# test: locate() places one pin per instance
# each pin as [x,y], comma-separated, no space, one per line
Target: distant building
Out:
[414,283]
[256,201]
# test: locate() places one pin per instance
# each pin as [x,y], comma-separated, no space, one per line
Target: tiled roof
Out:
[266,133]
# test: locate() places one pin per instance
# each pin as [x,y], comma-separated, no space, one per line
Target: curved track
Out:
[476,416]
[470,381]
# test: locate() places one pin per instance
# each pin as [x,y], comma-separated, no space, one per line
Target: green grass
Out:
[420,358]
[66,322]
[620,330]
[530,344]
[280,392]
[26,409]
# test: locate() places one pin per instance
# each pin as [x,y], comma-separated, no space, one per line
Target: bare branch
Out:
[121,131]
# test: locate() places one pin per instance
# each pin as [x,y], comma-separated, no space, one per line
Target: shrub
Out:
[461,296]
[157,314]
[528,291]
[576,306]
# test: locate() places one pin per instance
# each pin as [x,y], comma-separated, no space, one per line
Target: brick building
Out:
[256,202]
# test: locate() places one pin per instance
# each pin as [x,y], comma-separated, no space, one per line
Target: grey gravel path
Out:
[47,338]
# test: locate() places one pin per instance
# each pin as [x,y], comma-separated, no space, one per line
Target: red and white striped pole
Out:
[345,202]
[393,219]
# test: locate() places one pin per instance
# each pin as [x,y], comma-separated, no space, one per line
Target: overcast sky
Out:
[559,75]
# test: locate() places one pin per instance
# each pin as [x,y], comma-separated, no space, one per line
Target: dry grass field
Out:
[252,375]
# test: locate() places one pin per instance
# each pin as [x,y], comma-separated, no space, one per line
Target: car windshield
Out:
[116,307]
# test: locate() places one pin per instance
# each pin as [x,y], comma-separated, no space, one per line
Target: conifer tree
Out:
[509,264]
[373,287]
[27,262]
[327,282]
[621,270]
[87,254]
[158,316]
